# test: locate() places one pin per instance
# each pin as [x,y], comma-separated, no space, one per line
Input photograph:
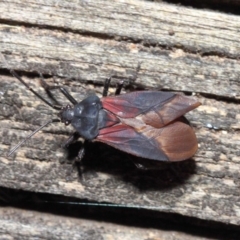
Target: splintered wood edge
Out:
[31,225]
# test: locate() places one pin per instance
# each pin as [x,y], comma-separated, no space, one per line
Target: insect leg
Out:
[107,84]
[33,91]
[106,87]
[119,87]
[62,89]
[78,160]
[119,84]
[81,153]
[134,78]
[71,139]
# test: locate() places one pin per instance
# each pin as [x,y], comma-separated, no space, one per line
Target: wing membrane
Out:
[174,142]
[153,107]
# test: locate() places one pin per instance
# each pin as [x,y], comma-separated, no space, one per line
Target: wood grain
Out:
[82,43]
[35,225]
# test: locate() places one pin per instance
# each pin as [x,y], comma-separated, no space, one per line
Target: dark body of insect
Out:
[148,124]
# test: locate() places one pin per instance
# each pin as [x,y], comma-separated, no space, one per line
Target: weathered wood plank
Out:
[150,23]
[79,41]
[22,224]
[55,53]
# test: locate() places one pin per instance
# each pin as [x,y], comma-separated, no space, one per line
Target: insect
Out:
[147,124]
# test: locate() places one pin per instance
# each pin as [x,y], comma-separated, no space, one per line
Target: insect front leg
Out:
[78,160]
[63,90]
[81,153]
[71,139]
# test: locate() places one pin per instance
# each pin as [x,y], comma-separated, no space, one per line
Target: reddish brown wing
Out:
[128,140]
[153,107]
[174,142]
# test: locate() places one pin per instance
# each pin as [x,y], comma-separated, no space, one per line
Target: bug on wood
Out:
[147,124]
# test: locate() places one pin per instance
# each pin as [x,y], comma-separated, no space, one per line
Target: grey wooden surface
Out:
[82,43]
[35,225]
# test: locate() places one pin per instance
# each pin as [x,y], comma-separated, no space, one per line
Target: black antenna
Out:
[31,134]
[40,97]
